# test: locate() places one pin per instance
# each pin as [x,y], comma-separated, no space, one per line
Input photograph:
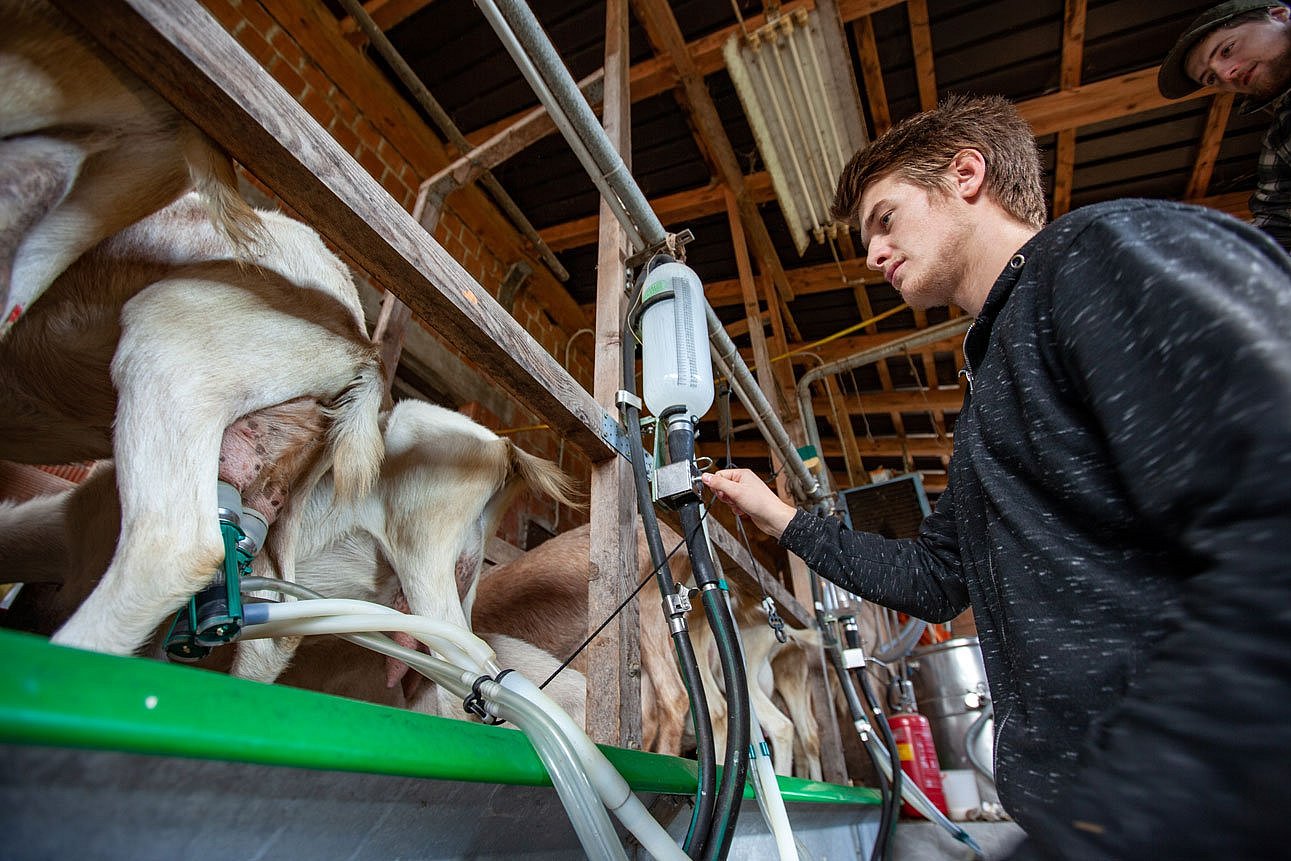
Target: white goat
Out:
[146,350]
[444,485]
[86,149]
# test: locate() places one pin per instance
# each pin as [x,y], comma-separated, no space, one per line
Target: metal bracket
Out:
[673,243]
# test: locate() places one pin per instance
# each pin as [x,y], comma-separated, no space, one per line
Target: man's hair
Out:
[920,148]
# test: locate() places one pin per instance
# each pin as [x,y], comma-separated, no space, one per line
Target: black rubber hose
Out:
[706,791]
[730,792]
[881,721]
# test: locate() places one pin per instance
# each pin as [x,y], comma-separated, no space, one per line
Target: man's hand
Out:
[745,493]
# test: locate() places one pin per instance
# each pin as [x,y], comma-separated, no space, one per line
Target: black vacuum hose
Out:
[730,792]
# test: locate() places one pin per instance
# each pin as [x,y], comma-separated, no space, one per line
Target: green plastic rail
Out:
[60,697]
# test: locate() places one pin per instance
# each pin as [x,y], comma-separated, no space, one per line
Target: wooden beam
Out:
[1235,203]
[614,657]
[183,53]
[532,127]
[1208,150]
[1073,52]
[876,93]
[949,398]
[1108,99]
[921,41]
[672,209]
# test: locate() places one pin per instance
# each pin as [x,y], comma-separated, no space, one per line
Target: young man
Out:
[1244,46]
[1118,514]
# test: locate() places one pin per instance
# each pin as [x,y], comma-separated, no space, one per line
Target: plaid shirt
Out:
[1271,202]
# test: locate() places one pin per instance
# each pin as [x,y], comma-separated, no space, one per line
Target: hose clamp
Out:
[474,702]
[677,604]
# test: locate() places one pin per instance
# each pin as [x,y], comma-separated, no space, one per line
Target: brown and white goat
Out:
[153,345]
[86,149]
[541,597]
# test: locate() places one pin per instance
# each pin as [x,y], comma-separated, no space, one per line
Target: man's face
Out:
[917,239]
[1253,58]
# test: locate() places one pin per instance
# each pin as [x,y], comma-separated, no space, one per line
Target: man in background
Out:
[1244,47]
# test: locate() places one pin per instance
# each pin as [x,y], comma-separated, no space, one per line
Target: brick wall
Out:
[299,43]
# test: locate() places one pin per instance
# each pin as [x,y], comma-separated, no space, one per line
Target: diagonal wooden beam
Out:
[661,28]
[1208,150]
[875,92]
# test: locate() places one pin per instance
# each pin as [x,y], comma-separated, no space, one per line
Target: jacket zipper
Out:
[967,371]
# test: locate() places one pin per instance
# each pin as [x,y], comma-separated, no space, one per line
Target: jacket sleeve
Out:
[1174,326]
[919,576]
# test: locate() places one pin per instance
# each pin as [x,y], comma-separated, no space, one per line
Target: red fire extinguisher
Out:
[913,737]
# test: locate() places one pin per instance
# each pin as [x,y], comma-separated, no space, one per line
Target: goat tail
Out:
[214,179]
[354,437]
[543,476]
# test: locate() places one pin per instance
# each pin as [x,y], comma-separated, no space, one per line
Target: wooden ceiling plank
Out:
[684,206]
[1108,99]
[531,128]
[1208,149]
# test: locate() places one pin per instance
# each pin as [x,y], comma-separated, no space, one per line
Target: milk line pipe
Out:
[931,335]
[451,131]
[610,787]
[577,144]
[586,814]
[527,43]
[529,33]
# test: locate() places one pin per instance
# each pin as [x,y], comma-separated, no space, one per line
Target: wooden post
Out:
[614,659]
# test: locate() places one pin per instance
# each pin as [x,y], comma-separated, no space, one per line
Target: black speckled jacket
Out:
[1118,516]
